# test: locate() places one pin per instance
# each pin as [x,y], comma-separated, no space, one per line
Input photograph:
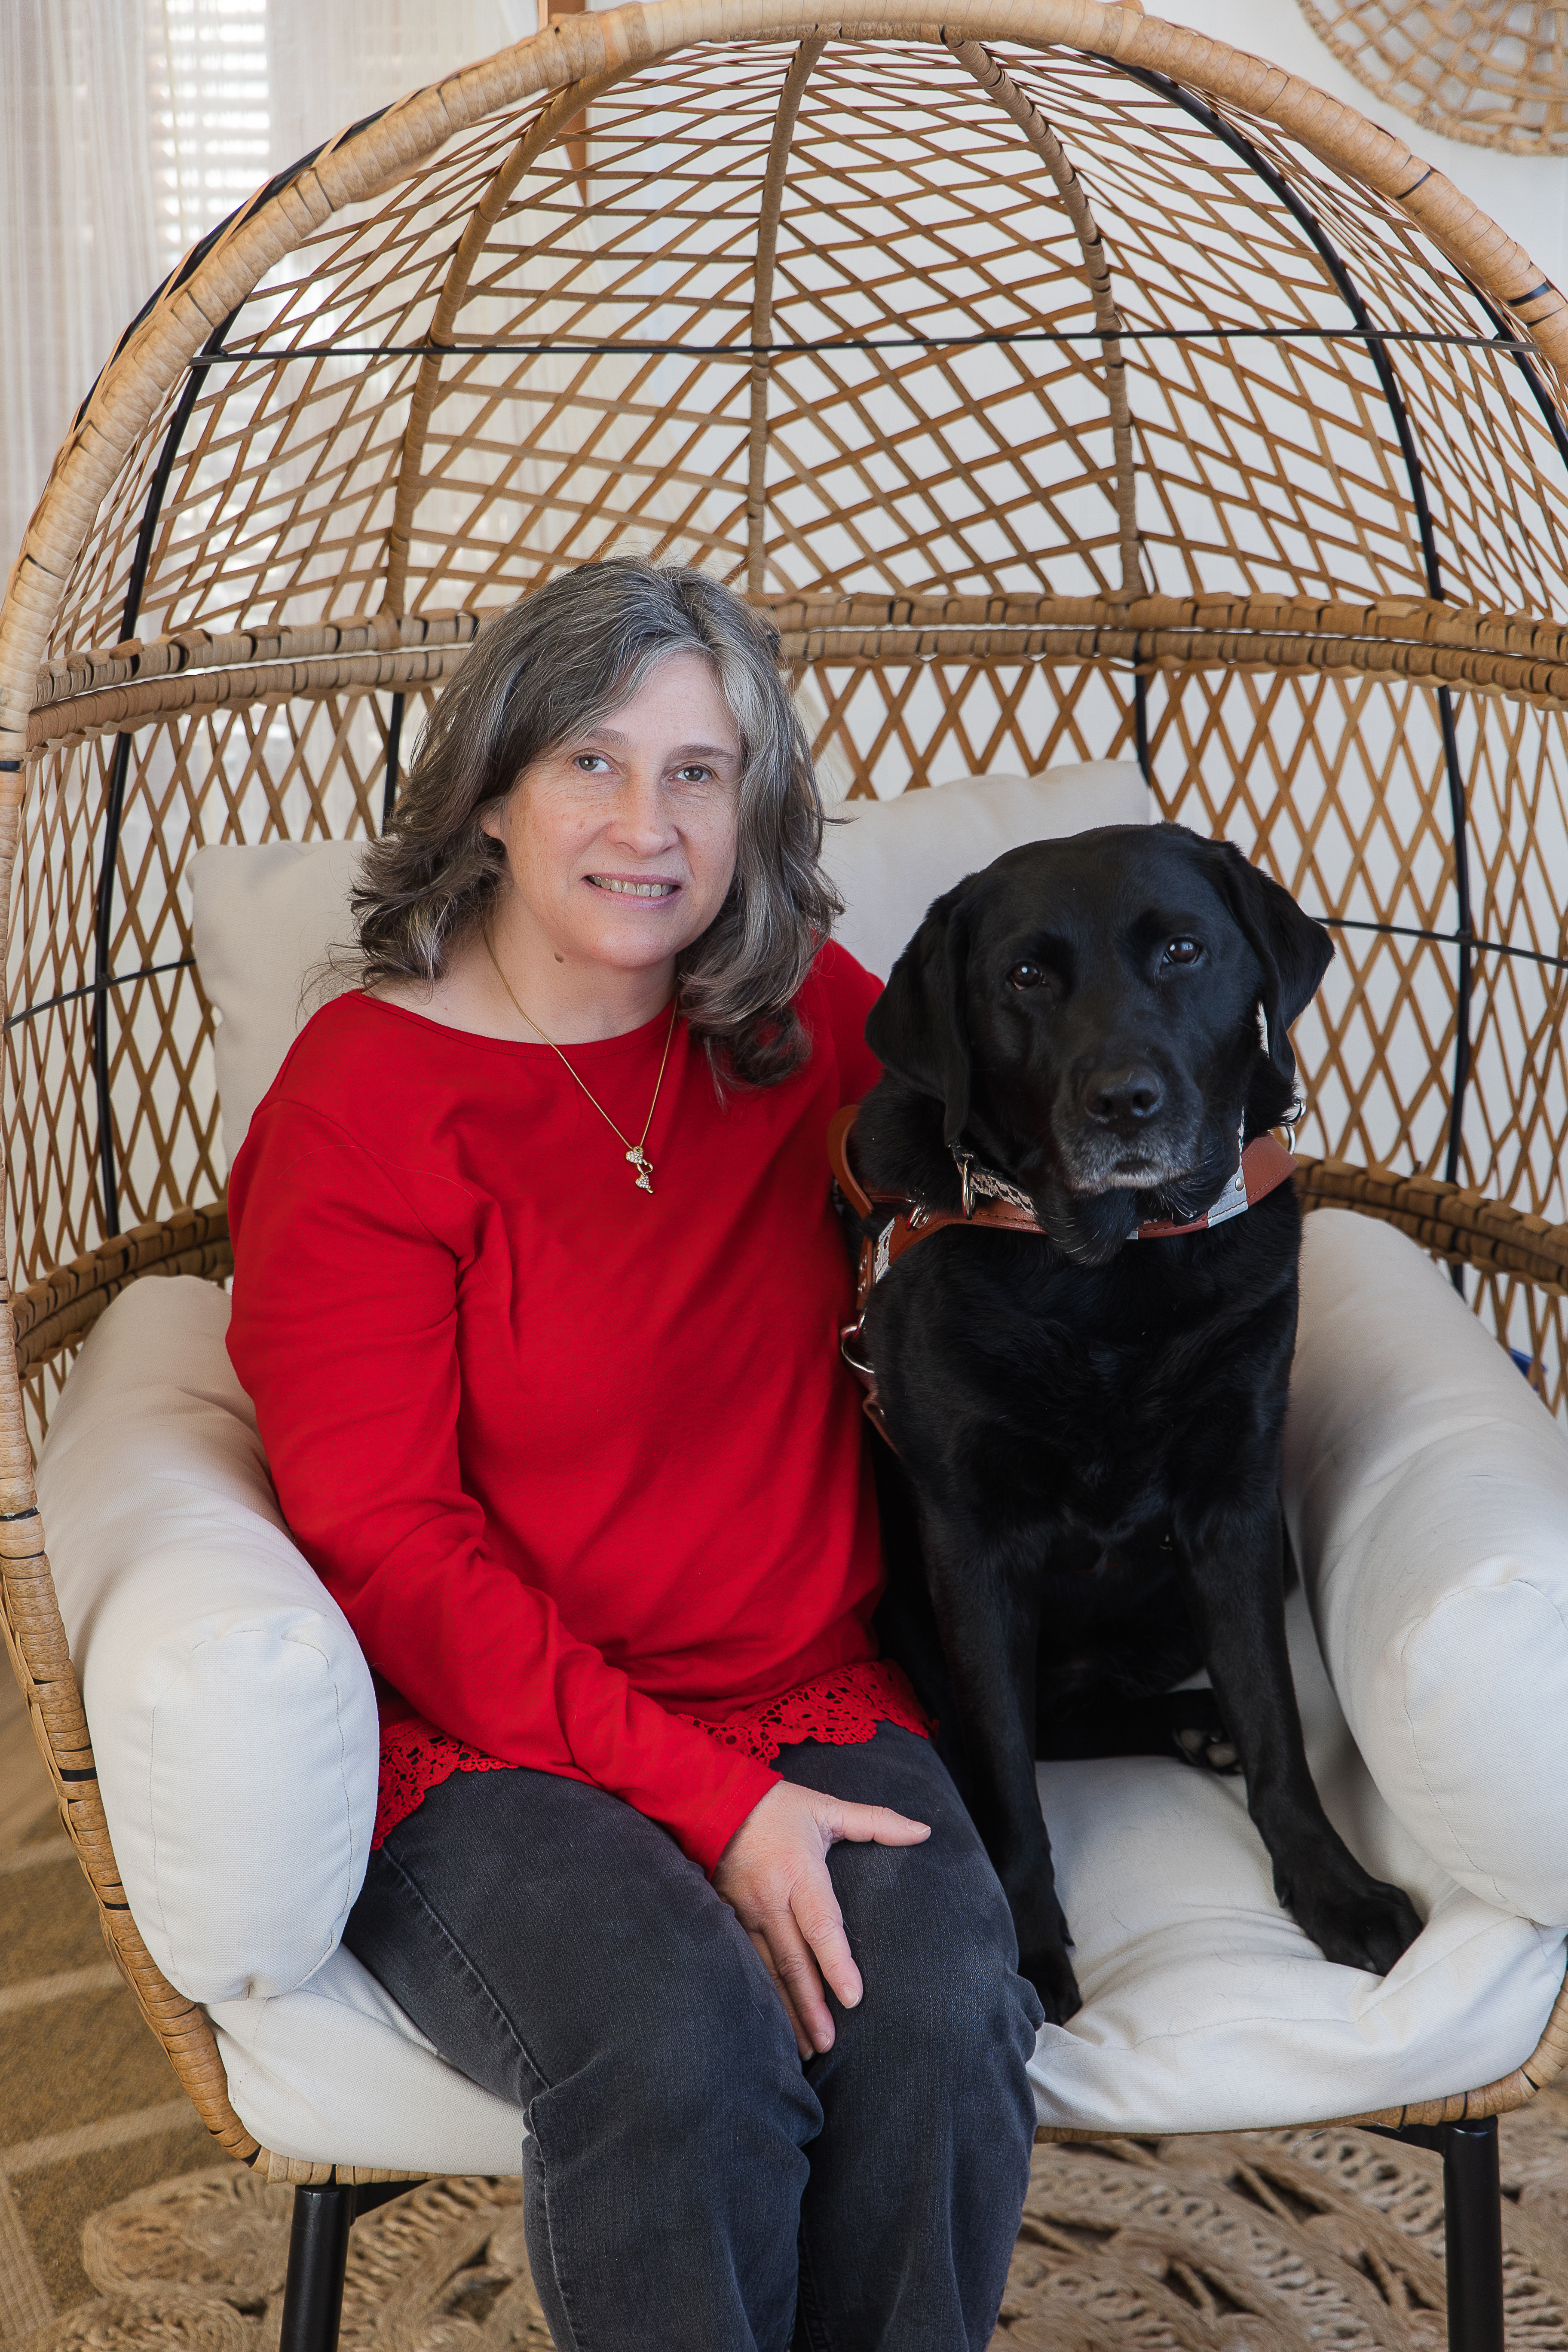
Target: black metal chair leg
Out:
[317,2257]
[1472,2225]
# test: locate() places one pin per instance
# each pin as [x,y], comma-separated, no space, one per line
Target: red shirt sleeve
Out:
[346,1287]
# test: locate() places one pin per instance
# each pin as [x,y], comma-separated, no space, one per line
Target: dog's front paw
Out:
[1358,1922]
[1043,1947]
[1050,1973]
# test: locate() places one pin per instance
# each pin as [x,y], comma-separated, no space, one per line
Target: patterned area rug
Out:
[1270,2241]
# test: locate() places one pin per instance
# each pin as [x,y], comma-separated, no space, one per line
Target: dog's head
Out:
[1095,1015]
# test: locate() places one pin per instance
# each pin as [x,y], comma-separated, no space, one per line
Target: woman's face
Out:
[620,843]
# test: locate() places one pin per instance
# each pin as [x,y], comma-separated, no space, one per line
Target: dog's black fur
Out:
[1092,1425]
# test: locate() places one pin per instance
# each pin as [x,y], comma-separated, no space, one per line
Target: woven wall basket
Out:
[1066,385]
[1494,75]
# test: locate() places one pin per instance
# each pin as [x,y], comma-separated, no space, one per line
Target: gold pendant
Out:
[644,1166]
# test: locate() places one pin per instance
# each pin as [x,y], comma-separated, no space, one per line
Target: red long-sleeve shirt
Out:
[582,1465]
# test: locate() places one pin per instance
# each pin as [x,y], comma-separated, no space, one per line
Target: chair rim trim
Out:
[1514,655]
[1399,620]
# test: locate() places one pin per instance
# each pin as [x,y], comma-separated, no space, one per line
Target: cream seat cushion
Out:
[1207,2009]
[240,1802]
[267,919]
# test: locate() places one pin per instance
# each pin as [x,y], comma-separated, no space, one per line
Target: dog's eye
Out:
[1027,975]
[1183,950]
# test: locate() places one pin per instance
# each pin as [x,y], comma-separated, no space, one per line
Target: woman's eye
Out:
[1183,950]
[693,775]
[592,763]
[1027,975]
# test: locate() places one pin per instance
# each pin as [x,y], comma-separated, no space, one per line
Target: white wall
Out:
[1526,195]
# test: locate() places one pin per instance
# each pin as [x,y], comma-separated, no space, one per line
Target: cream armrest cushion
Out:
[233,1716]
[1426,1495]
[234,1724]
[266,919]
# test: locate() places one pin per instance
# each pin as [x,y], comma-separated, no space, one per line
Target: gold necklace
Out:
[634,1153]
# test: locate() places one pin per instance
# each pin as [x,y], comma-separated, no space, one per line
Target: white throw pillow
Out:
[263,921]
[233,1716]
[1426,1492]
[891,858]
[266,917]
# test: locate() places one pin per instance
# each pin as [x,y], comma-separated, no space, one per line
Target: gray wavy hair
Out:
[554,665]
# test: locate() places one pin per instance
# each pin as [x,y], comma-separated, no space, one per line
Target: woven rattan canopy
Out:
[1070,386]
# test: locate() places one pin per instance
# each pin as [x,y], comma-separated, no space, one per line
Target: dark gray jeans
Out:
[686,2183]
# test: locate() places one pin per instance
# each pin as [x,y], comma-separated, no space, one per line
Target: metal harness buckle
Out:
[978,1183]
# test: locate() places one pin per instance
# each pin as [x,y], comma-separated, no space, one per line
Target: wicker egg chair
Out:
[1066,386]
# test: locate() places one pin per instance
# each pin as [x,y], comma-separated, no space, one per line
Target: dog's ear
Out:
[917,1028]
[1294,951]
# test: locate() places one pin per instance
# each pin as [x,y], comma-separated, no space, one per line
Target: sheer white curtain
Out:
[79,246]
[128,128]
[332,64]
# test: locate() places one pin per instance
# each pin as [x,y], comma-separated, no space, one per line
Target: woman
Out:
[536,1289]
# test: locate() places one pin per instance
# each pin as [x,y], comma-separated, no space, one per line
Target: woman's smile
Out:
[628,885]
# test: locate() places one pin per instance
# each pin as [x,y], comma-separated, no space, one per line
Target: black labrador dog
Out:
[1092,1422]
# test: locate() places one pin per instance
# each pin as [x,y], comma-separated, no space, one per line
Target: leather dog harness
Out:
[990,1204]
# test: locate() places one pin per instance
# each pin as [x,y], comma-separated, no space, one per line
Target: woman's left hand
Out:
[773,1876]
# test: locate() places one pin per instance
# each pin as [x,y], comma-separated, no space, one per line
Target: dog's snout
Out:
[1124,1096]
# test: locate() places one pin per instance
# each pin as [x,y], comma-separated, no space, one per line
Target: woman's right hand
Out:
[773,1876]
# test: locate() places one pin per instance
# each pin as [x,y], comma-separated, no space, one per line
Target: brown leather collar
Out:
[991,1205]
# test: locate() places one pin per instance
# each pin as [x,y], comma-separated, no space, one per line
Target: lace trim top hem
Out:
[842,1708]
